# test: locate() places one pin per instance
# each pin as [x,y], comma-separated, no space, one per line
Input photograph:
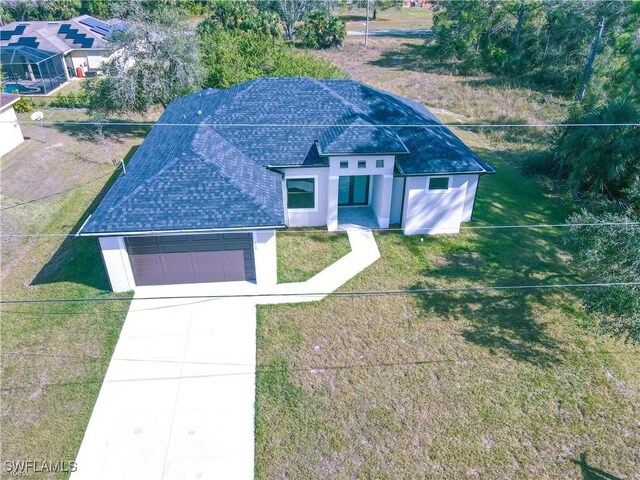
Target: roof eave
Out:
[177,231]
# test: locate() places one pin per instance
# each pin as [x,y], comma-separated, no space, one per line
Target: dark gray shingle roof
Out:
[210,172]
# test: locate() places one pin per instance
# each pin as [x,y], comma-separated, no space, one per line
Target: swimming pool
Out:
[19,88]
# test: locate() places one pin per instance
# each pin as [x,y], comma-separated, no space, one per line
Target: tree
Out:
[323,30]
[230,15]
[376,6]
[602,160]
[292,12]
[609,254]
[24,10]
[232,57]
[554,42]
[156,60]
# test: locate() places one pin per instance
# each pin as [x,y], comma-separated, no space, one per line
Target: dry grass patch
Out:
[54,356]
[391,19]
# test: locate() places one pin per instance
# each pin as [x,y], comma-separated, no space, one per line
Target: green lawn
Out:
[450,385]
[301,255]
[54,356]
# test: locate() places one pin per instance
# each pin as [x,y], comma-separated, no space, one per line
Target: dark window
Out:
[379,163]
[344,164]
[362,164]
[301,193]
[441,183]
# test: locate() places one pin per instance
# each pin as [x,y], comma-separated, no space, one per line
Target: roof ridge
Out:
[356,108]
[145,182]
[246,194]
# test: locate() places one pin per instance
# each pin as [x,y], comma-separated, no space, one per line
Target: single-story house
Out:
[222,170]
[10,131]
[78,46]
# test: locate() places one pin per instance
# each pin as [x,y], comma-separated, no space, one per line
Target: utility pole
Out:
[592,57]
[366,26]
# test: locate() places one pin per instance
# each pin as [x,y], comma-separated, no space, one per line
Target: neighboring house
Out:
[72,47]
[10,132]
[223,169]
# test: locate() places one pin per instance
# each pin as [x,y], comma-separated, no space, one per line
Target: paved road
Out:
[178,398]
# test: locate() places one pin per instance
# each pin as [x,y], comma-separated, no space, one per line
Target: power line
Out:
[46,197]
[268,368]
[328,125]
[355,293]
[201,362]
[304,231]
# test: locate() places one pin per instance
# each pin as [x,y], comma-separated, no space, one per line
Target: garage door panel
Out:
[191,258]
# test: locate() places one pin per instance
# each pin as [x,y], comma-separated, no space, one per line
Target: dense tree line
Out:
[158,58]
[554,42]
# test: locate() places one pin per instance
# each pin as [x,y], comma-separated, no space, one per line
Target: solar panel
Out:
[64,28]
[95,23]
[7,34]
[26,41]
[71,33]
[100,31]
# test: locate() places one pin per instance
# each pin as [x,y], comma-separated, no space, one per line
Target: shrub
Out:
[70,100]
[609,254]
[322,30]
[235,57]
[23,105]
[240,16]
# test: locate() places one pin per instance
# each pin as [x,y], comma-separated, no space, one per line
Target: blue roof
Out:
[210,172]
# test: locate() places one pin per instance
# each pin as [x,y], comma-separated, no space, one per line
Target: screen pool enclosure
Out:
[29,70]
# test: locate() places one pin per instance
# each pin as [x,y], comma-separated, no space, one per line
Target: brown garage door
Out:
[191,258]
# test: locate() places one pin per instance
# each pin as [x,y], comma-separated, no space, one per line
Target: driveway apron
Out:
[178,398]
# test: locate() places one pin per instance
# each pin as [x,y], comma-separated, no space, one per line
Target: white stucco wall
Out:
[10,132]
[380,184]
[264,252]
[116,261]
[470,200]
[88,60]
[437,211]
[309,217]
[381,194]
[397,198]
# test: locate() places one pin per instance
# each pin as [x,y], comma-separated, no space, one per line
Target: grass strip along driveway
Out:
[458,385]
[54,356]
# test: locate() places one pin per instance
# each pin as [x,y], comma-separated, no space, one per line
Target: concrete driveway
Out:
[178,398]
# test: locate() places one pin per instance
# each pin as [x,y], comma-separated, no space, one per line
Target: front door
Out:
[353,190]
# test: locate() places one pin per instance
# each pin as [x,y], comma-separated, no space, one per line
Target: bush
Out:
[70,100]
[609,254]
[240,16]
[323,30]
[23,105]
[230,58]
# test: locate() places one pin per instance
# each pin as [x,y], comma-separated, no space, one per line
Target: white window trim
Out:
[441,190]
[315,193]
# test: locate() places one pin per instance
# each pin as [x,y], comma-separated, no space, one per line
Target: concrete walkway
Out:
[178,398]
